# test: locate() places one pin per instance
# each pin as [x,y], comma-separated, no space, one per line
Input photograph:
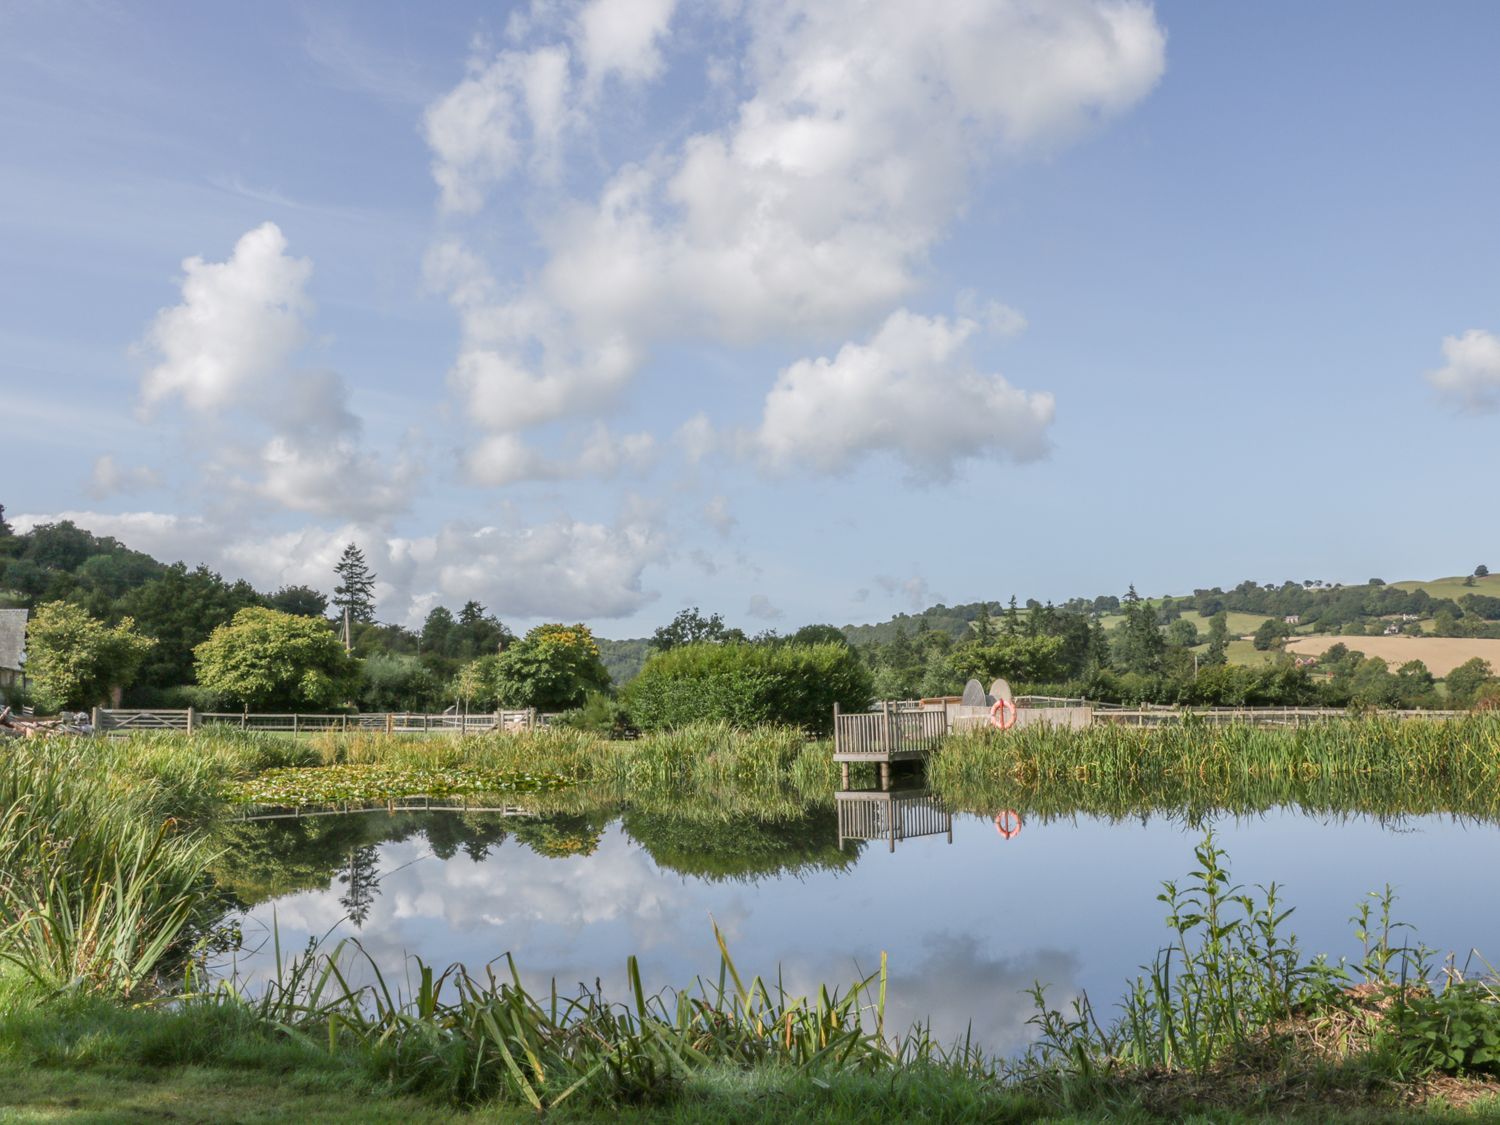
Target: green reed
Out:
[1380,766]
[470,1037]
[96,886]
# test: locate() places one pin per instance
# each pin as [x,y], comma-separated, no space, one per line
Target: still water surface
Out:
[968,924]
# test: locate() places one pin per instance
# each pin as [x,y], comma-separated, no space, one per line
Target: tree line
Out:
[111,623]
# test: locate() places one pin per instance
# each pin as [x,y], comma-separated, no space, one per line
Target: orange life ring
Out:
[1008,824]
[1003,714]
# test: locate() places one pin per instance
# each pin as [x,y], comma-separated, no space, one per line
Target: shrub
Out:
[748,684]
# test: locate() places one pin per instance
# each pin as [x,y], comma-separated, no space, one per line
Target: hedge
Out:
[749,684]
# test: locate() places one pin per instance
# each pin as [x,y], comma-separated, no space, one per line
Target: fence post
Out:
[191,717]
[294,722]
[885,726]
[245,717]
[345,722]
[390,722]
[95,719]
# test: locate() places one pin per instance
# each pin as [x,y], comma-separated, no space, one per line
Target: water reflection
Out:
[969,918]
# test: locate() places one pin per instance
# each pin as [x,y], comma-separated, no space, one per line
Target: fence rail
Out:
[1151,716]
[123,721]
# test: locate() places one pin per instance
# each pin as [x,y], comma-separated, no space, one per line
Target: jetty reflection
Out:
[891,815]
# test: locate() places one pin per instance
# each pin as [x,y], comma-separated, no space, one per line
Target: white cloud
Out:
[623,38]
[228,349]
[238,324]
[909,392]
[110,478]
[1471,377]
[563,569]
[516,110]
[810,212]
[506,459]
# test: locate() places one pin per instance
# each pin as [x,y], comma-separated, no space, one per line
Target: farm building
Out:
[12,647]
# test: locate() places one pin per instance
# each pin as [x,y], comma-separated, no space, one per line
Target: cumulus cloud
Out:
[110,478]
[910,392]
[811,210]
[238,324]
[228,349]
[1471,377]
[562,568]
[515,110]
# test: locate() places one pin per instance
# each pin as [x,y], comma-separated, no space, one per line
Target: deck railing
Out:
[888,733]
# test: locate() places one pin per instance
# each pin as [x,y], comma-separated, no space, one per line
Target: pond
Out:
[969,920]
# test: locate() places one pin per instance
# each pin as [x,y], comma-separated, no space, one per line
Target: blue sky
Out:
[792,311]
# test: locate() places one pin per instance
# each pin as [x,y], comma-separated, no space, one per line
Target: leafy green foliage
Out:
[748,684]
[690,627]
[1456,1030]
[265,659]
[552,668]
[75,660]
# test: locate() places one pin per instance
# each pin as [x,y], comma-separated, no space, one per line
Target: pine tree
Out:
[356,585]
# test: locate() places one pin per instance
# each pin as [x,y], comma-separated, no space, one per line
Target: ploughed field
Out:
[1440,654]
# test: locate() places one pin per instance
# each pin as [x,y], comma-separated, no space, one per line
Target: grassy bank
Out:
[106,850]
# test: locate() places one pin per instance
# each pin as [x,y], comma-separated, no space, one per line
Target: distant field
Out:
[1440,654]
[1454,587]
[1240,624]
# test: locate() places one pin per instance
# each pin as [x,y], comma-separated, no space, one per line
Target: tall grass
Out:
[96,887]
[474,1037]
[1380,765]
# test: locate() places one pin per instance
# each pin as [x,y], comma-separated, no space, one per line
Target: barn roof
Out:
[12,639]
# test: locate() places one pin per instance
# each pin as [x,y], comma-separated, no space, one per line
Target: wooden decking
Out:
[893,733]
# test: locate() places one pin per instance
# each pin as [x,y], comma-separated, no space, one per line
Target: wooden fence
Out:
[122,721]
[1259,716]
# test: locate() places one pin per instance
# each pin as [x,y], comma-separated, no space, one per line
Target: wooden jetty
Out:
[893,733]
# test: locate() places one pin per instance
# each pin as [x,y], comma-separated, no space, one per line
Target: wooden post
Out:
[844,774]
[885,727]
[836,739]
[96,720]
[294,722]
[390,722]
[344,722]
[245,717]
[191,716]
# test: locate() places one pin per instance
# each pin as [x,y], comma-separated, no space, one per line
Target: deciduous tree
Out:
[76,660]
[265,658]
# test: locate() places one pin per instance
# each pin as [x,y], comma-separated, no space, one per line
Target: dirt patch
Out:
[1440,654]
